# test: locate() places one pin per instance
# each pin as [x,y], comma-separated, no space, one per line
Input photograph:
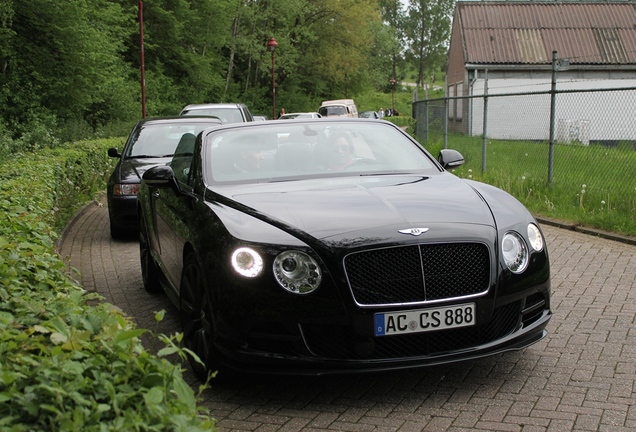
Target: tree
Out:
[61,62]
[184,43]
[77,62]
[323,48]
[393,15]
[428,27]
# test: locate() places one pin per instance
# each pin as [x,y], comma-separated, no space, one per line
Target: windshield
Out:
[332,110]
[280,151]
[161,139]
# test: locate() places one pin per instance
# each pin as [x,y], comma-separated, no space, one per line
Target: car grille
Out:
[334,343]
[418,273]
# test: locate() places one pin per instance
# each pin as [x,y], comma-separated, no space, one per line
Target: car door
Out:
[175,207]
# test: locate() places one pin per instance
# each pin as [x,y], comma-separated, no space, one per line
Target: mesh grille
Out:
[418,273]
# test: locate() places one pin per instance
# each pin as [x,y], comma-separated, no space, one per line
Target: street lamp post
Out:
[141,58]
[392,81]
[271,45]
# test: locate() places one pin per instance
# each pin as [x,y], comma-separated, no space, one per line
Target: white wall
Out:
[579,116]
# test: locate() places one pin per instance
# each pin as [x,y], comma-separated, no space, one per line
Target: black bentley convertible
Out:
[330,246]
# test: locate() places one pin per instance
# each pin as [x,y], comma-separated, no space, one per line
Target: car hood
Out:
[337,208]
[131,170]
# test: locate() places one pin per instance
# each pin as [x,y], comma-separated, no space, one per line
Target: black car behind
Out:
[151,142]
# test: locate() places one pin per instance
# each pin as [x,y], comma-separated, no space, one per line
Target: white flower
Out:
[602,202]
[523,177]
[582,191]
[584,186]
[470,170]
[470,176]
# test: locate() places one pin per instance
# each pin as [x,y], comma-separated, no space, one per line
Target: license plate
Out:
[423,320]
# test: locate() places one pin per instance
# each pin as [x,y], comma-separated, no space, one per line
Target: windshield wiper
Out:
[389,173]
[148,156]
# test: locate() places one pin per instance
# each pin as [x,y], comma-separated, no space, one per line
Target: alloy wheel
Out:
[196,319]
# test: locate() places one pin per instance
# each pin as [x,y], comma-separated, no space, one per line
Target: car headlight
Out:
[515,252]
[126,189]
[297,272]
[535,237]
[247,262]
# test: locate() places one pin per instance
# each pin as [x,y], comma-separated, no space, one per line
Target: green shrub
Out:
[68,360]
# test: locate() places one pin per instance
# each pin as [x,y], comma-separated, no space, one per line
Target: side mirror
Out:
[160,176]
[450,159]
[114,152]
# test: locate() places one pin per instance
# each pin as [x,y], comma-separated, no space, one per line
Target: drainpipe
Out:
[471,92]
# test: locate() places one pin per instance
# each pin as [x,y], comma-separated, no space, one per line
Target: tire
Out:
[149,269]
[196,320]
[117,233]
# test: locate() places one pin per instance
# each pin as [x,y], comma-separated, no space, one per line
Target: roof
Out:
[337,102]
[301,115]
[212,105]
[528,32]
[182,119]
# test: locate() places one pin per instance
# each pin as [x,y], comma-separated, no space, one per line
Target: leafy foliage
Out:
[69,361]
[428,27]
[69,69]
[63,61]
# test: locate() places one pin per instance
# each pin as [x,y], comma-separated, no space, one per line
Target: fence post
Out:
[427,119]
[446,122]
[485,124]
[552,117]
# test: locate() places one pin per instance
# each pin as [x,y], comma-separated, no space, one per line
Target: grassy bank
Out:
[592,185]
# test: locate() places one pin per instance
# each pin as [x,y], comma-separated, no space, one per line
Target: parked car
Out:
[369,114]
[339,245]
[151,142]
[227,112]
[300,115]
[260,118]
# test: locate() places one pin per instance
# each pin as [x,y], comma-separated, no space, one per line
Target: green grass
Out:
[403,97]
[592,185]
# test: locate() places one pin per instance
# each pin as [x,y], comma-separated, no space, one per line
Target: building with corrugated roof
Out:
[509,47]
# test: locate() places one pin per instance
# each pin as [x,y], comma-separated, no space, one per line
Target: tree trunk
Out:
[230,66]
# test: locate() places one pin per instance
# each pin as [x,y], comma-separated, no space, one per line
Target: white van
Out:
[338,108]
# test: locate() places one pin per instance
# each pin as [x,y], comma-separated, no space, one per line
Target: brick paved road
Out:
[581,377]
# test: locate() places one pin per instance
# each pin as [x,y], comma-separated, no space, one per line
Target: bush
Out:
[405,122]
[68,360]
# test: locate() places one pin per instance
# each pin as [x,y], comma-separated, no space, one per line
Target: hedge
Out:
[68,359]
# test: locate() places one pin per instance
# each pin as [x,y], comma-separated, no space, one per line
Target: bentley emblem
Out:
[413,231]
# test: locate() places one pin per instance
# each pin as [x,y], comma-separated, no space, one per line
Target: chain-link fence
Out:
[566,154]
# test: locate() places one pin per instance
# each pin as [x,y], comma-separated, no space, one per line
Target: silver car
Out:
[226,112]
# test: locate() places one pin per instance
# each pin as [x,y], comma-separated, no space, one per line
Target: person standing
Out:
[281,113]
[381,112]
